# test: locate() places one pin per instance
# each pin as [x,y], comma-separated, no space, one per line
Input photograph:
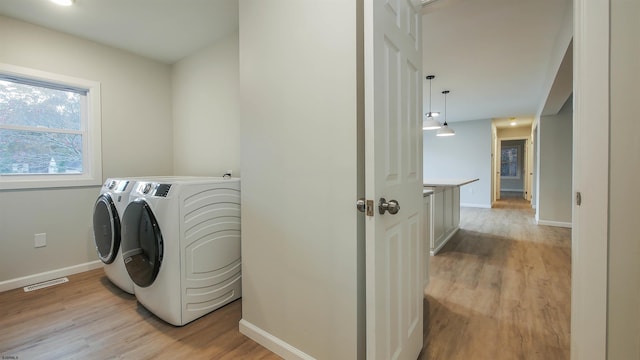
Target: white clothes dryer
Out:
[107,212]
[181,246]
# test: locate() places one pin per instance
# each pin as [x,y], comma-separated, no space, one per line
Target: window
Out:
[49,130]
[509,167]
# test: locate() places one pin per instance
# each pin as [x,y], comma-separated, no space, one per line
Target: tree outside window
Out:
[509,162]
[40,130]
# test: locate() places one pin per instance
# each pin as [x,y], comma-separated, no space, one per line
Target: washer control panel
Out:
[153,189]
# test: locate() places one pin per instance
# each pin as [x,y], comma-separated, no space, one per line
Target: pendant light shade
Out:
[445,130]
[429,123]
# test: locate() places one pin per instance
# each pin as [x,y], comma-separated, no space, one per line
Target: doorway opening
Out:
[512,164]
[512,168]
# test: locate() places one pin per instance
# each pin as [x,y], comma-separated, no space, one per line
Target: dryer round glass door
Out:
[106,228]
[142,246]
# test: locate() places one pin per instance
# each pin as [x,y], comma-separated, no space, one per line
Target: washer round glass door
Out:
[142,245]
[106,228]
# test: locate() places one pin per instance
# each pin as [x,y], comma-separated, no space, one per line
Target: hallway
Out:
[500,289]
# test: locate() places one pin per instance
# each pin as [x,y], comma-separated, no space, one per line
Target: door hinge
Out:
[578,198]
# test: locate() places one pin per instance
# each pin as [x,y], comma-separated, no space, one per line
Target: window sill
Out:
[24,182]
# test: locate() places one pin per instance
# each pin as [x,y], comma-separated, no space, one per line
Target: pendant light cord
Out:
[430,97]
[445,92]
[445,107]
[430,77]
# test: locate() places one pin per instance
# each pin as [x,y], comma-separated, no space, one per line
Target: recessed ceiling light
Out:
[63,2]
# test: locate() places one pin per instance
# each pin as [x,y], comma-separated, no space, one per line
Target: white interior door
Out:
[493,164]
[530,167]
[525,169]
[498,166]
[393,170]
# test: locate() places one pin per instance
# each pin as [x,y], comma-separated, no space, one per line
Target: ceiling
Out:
[164,30]
[493,55]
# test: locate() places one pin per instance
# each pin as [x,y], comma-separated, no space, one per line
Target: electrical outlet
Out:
[40,240]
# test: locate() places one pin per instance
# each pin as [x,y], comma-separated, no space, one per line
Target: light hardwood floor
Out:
[89,318]
[500,289]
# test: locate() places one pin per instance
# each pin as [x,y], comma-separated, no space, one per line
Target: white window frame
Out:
[91,129]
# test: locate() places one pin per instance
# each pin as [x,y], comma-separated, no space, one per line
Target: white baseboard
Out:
[483,206]
[554,223]
[271,342]
[48,275]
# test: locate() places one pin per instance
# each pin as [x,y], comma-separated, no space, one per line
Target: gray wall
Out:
[299,89]
[136,100]
[555,133]
[206,110]
[465,155]
[623,338]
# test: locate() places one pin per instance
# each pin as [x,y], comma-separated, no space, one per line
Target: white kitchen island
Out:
[442,210]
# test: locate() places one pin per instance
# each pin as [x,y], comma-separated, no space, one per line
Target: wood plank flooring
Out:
[500,289]
[89,318]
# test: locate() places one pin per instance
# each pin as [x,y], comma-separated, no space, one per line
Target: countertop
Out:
[447,182]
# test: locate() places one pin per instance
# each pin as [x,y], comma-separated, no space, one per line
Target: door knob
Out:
[392,206]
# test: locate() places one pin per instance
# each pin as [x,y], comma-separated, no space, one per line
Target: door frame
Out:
[590,232]
[495,156]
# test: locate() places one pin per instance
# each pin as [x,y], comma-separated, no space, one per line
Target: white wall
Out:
[299,148]
[465,155]
[206,110]
[623,339]
[136,140]
[520,132]
[555,197]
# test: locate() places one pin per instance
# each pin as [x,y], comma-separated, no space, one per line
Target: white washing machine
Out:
[107,212]
[181,246]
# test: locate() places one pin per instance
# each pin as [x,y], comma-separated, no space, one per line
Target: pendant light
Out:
[445,130]
[429,123]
